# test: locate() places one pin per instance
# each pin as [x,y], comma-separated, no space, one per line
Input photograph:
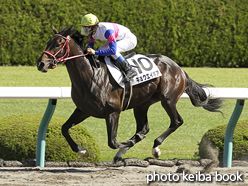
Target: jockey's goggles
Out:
[85,30]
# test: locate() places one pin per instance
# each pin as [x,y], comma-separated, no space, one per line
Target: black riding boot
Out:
[128,69]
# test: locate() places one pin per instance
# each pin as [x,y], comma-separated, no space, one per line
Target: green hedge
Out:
[18,136]
[216,137]
[193,33]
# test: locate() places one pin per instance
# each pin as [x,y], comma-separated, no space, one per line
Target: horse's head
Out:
[57,47]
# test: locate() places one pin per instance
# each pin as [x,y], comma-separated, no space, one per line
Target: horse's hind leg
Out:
[77,117]
[176,121]
[142,128]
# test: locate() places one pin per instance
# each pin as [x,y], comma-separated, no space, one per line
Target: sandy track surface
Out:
[125,175]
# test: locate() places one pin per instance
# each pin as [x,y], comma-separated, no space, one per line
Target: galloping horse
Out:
[95,92]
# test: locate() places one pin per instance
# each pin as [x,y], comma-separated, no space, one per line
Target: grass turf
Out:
[181,144]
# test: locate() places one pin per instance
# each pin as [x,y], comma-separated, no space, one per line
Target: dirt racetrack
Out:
[123,175]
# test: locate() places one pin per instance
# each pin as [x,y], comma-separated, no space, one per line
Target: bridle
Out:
[65,57]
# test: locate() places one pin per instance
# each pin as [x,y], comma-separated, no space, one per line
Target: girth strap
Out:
[127,93]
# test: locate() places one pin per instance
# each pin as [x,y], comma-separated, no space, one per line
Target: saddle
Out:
[145,67]
[127,89]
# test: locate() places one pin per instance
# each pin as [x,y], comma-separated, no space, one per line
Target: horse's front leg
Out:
[140,114]
[77,117]
[112,125]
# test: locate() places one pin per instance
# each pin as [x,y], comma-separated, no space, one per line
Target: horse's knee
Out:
[180,122]
[64,129]
[176,124]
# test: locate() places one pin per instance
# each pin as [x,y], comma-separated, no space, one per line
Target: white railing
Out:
[36,92]
[54,93]
[65,92]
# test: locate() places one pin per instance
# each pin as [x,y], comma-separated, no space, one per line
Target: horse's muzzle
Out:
[40,65]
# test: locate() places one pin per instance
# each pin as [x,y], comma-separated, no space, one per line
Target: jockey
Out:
[120,39]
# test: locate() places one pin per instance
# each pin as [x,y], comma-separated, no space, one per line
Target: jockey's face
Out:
[93,30]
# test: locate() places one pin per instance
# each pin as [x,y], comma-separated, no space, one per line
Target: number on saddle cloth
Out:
[145,67]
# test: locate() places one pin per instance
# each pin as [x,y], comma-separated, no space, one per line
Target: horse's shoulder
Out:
[96,61]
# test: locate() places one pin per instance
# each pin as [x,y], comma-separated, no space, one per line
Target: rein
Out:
[65,57]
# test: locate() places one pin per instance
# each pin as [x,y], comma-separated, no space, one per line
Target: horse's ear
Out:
[54,30]
[68,31]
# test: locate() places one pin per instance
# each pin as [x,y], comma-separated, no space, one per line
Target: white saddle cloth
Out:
[146,70]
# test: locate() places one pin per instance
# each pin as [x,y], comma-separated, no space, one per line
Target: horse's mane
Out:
[79,39]
[75,35]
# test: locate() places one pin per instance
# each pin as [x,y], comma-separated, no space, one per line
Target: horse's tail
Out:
[199,97]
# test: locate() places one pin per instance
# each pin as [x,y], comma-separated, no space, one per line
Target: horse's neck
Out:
[79,69]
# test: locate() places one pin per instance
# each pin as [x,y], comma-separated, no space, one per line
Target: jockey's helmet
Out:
[88,22]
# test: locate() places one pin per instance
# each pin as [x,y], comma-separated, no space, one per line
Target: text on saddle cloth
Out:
[144,66]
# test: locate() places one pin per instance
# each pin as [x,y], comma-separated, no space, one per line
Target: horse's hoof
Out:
[83,152]
[156,152]
[117,159]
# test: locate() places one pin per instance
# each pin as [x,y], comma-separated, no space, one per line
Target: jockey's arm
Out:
[91,42]
[110,36]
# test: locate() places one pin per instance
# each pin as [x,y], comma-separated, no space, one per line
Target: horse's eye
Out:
[57,45]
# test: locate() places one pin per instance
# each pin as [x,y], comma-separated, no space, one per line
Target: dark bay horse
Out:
[95,92]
